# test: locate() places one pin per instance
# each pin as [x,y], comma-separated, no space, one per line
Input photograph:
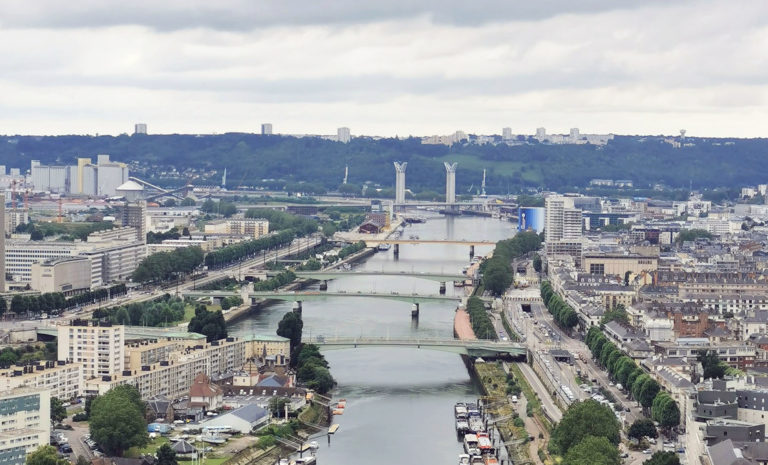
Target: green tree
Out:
[116,421]
[18,304]
[3,306]
[648,392]
[291,327]
[166,455]
[617,313]
[58,411]
[713,366]
[582,419]
[663,458]
[641,428]
[188,202]
[593,450]
[537,263]
[45,455]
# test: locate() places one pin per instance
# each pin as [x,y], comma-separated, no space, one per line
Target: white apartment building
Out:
[174,376]
[99,347]
[25,423]
[562,220]
[63,380]
[343,135]
[252,227]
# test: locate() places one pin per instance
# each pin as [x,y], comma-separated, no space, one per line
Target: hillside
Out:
[274,161]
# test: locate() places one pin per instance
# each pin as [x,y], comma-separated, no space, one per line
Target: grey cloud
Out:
[255,14]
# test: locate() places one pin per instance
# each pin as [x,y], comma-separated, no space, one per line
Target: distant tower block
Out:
[541,133]
[506,133]
[574,135]
[224,179]
[682,134]
[482,188]
[343,135]
[139,128]
[450,182]
[266,129]
[400,182]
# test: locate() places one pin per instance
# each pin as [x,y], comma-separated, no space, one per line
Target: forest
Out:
[311,163]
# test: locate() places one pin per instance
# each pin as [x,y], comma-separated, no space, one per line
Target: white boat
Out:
[314,445]
[213,439]
[463,459]
[384,247]
[308,460]
[470,444]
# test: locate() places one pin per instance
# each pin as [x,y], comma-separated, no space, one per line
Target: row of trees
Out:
[282,278]
[565,316]
[313,370]
[163,311]
[634,379]
[56,301]
[211,324]
[481,323]
[282,221]
[497,270]
[247,249]
[348,250]
[231,301]
[165,266]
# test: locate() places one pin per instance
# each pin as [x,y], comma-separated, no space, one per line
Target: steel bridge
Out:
[474,348]
[302,296]
[325,275]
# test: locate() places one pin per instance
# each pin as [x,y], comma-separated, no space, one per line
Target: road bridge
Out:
[301,296]
[474,348]
[432,276]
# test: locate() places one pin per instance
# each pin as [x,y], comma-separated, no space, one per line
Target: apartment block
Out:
[25,423]
[64,380]
[252,227]
[98,346]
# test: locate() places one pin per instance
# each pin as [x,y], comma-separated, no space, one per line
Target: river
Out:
[399,401]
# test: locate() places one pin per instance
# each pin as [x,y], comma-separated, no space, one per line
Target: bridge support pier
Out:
[415,311]
[297,307]
[397,250]
[442,287]
[471,251]
[324,285]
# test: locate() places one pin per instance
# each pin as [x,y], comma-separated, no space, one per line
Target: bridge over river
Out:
[432,276]
[474,348]
[301,296]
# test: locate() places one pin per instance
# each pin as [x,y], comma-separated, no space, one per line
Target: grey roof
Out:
[183,447]
[250,413]
[722,453]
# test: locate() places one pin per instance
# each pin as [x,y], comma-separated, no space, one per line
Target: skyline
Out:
[385,69]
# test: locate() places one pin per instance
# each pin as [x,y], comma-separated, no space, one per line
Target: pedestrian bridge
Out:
[304,296]
[474,348]
[325,275]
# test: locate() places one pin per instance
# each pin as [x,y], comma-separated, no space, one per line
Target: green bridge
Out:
[303,296]
[432,276]
[474,348]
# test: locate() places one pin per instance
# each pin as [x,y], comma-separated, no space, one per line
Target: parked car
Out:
[647,451]
[65,448]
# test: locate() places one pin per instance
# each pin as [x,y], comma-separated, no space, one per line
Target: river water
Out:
[399,401]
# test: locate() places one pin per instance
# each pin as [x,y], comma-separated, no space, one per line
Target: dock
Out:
[333,428]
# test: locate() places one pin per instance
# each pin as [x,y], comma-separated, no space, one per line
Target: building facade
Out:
[99,347]
[25,423]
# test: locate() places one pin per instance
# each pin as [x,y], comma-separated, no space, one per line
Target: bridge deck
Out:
[475,347]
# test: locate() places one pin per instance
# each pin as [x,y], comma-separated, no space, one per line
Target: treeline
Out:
[478,316]
[56,301]
[247,249]
[281,221]
[211,324]
[27,354]
[282,278]
[348,250]
[565,316]
[634,379]
[166,266]
[159,237]
[313,370]
[497,270]
[588,433]
[164,311]
[231,301]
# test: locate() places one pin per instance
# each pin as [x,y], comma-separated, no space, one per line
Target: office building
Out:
[343,135]
[139,128]
[134,215]
[266,129]
[99,347]
[68,275]
[562,220]
[450,182]
[25,423]
[400,182]
[20,255]
[63,380]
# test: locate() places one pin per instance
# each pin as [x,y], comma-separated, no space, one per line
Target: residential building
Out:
[562,220]
[619,264]
[25,423]
[2,243]
[266,129]
[98,346]
[134,215]
[205,394]
[139,128]
[343,135]
[264,345]
[63,379]
[251,227]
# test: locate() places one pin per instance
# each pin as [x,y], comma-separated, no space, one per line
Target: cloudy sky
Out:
[393,67]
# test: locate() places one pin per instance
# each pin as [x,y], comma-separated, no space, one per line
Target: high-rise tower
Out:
[450,182]
[400,182]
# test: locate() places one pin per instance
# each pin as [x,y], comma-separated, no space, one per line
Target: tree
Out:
[665,411]
[3,306]
[648,392]
[638,384]
[58,411]
[45,455]
[663,458]
[617,313]
[641,428]
[277,405]
[166,455]
[290,327]
[537,263]
[188,202]
[18,304]
[582,419]
[713,366]
[593,451]
[116,421]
